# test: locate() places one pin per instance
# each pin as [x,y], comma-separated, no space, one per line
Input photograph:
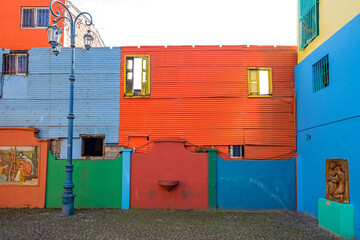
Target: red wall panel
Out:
[169,161]
[200,95]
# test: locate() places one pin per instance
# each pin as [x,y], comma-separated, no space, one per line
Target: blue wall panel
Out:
[328,121]
[97,91]
[255,185]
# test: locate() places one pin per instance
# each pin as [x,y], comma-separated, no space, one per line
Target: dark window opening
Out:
[236,151]
[92,146]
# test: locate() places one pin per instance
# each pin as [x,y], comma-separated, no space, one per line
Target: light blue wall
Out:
[97,91]
[331,117]
[256,185]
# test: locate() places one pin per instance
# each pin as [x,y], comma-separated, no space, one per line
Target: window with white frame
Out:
[35,17]
[15,63]
[236,151]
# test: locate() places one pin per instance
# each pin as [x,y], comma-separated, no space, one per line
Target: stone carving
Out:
[337,180]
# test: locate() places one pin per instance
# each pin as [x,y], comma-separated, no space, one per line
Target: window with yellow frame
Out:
[137,76]
[260,82]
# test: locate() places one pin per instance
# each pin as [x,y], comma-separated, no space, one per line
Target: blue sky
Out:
[193,22]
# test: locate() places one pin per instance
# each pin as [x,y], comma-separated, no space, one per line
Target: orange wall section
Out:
[21,196]
[200,95]
[12,36]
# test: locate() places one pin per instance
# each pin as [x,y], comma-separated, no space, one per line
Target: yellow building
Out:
[320,19]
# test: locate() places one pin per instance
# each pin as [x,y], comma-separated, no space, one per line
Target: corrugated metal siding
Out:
[200,94]
[96,104]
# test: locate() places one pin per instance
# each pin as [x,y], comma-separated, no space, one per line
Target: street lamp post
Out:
[54,36]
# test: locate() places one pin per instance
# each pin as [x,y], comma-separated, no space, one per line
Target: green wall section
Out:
[212,153]
[336,217]
[97,183]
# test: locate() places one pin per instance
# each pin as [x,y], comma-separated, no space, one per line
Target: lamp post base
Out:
[68,205]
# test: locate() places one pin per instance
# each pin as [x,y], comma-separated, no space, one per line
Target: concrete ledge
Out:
[336,217]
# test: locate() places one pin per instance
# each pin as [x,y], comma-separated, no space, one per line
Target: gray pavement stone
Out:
[158,224]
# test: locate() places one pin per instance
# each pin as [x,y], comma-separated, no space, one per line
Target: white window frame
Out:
[231,151]
[35,17]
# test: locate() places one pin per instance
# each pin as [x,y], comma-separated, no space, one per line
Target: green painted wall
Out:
[212,153]
[97,183]
[336,217]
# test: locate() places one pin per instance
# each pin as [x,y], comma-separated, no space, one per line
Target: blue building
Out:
[38,97]
[327,88]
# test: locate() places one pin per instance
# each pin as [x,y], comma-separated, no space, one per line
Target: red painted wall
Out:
[169,161]
[19,196]
[200,94]
[12,35]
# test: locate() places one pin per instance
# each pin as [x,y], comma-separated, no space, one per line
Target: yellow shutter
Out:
[253,82]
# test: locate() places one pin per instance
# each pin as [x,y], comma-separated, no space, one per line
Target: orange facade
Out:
[13,36]
[201,95]
[29,191]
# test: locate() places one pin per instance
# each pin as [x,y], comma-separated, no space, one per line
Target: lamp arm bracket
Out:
[87,23]
[57,13]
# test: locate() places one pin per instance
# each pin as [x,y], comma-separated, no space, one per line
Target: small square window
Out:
[320,74]
[35,17]
[92,146]
[260,82]
[15,64]
[137,76]
[236,151]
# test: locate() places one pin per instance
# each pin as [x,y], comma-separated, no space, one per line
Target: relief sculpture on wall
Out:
[337,180]
[18,165]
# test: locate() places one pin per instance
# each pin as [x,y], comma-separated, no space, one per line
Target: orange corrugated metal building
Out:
[200,94]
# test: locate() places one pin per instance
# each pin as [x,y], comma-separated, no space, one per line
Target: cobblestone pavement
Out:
[158,224]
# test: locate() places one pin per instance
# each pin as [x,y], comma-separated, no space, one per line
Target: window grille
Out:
[320,74]
[15,64]
[35,17]
[236,151]
[308,21]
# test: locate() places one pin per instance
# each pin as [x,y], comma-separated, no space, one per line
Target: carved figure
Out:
[337,180]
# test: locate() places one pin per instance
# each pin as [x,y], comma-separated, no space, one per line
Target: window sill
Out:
[136,96]
[260,96]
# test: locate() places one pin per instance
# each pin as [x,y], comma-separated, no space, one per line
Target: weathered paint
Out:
[13,36]
[200,94]
[256,185]
[126,163]
[212,156]
[336,217]
[97,101]
[21,196]
[97,183]
[169,161]
[328,120]
[333,15]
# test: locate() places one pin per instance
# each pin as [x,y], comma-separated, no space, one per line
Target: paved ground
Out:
[158,224]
